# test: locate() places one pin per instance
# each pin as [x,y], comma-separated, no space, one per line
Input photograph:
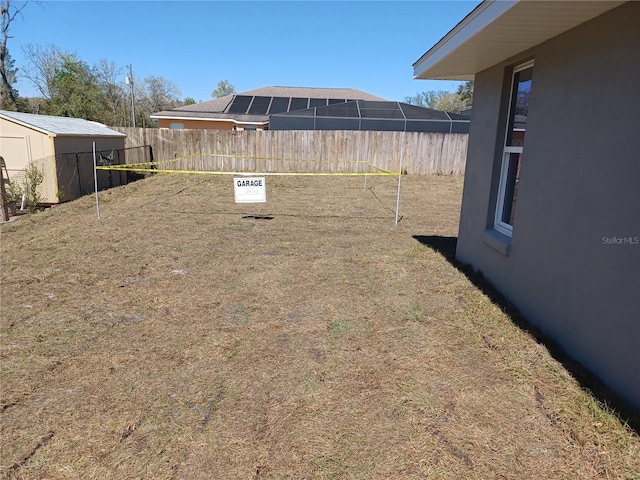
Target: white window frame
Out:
[499,225]
[507,150]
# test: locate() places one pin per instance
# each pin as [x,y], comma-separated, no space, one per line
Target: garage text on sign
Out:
[254,182]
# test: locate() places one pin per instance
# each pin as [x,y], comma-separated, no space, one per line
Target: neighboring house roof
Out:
[255,106]
[312,92]
[60,126]
[371,115]
[497,30]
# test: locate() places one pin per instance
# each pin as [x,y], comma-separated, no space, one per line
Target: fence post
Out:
[79,177]
[95,179]
[5,207]
[399,179]
[120,173]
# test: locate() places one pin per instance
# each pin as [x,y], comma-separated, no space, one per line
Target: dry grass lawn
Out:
[175,339]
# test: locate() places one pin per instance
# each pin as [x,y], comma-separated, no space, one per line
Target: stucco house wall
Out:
[208,124]
[572,265]
[195,124]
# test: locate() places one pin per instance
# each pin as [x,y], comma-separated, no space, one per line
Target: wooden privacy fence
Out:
[303,150]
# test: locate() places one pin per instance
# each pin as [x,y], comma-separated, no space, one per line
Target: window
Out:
[513,148]
[176,126]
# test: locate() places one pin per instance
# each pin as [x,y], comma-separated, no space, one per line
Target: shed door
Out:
[16,152]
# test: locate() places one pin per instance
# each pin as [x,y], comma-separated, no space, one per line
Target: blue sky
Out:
[367,45]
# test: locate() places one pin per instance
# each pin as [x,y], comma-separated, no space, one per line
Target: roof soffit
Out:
[498,30]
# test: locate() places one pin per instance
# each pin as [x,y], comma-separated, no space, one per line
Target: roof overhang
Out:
[209,119]
[94,129]
[496,30]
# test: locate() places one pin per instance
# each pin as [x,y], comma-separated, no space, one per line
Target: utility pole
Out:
[129,81]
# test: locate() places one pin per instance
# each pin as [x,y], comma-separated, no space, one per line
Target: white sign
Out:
[250,190]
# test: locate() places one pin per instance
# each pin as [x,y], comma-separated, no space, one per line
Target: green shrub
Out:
[33,178]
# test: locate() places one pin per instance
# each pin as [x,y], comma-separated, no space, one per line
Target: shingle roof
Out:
[61,126]
[311,92]
[215,105]
[219,108]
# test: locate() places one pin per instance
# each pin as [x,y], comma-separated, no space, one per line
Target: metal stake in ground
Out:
[95,179]
[399,178]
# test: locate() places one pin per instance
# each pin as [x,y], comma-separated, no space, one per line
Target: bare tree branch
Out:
[41,66]
[7,15]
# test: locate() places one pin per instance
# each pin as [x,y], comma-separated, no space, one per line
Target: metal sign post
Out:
[399,179]
[95,179]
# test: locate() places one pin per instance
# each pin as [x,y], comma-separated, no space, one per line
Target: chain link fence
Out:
[68,176]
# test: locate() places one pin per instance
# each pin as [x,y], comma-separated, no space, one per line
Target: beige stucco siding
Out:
[206,124]
[197,124]
[20,144]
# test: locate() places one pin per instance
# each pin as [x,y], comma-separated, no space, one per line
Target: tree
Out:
[465,92]
[112,92]
[71,87]
[154,95]
[426,99]
[42,64]
[9,98]
[75,91]
[188,101]
[445,101]
[451,102]
[160,94]
[224,89]
[8,93]
[37,105]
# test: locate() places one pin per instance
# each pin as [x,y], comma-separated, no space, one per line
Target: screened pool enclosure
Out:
[370,115]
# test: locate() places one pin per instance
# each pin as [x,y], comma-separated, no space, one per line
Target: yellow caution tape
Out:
[152,167]
[132,166]
[383,173]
